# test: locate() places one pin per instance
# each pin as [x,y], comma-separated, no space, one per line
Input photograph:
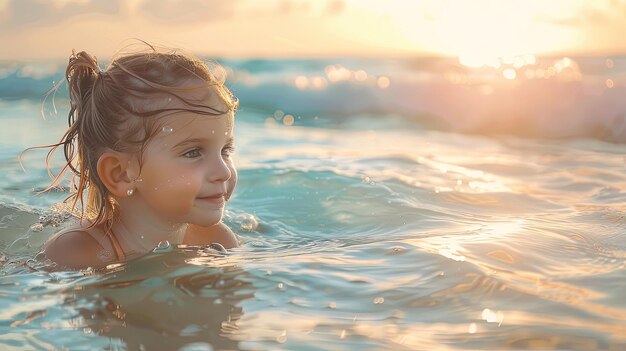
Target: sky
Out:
[36,29]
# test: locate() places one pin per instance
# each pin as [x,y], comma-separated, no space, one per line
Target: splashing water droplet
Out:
[164,246]
[379,300]
[138,180]
[281,285]
[37,227]
[113,266]
[397,250]
[282,338]
[167,129]
[249,222]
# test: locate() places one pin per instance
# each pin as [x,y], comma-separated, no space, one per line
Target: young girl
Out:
[149,144]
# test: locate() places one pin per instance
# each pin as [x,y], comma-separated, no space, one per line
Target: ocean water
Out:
[384,204]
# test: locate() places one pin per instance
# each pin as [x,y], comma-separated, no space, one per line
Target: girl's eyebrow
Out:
[187,141]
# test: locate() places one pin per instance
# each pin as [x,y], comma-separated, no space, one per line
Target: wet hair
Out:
[115,109]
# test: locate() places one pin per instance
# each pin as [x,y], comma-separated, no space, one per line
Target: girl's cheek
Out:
[232,182]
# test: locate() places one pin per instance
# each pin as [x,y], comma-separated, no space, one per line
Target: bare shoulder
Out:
[76,247]
[219,233]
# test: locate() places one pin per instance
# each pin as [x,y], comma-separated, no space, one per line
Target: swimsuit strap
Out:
[116,246]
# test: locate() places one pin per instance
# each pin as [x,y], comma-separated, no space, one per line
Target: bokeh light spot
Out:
[288,120]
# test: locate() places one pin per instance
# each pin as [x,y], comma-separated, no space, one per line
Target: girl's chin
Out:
[207,222]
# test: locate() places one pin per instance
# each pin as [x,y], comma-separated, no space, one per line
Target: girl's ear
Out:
[113,168]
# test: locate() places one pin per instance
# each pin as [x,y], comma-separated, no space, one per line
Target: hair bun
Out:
[81,73]
[83,61]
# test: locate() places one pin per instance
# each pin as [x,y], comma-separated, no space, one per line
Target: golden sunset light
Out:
[328,174]
[477,30]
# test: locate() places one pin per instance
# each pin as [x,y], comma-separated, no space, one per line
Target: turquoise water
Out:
[367,226]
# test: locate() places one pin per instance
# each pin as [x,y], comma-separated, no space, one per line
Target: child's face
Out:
[187,173]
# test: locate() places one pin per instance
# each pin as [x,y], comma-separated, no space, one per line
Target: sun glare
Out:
[481,31]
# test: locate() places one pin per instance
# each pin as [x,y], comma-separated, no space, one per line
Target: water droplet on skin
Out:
[225,133]
[142,237]
[104,255]
[167,129]
[169,99]
[212,132]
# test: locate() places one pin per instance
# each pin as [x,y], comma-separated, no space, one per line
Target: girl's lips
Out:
[215,199]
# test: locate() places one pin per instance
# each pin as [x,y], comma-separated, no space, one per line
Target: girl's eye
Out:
[192,153]
[228,150]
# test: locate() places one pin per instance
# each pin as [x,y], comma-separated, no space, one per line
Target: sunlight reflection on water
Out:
[369,232]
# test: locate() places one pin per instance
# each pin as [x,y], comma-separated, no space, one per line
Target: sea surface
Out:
[384,204]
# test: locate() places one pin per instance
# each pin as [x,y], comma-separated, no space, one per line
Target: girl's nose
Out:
[218,171]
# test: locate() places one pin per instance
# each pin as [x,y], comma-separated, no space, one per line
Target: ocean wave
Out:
[543,97]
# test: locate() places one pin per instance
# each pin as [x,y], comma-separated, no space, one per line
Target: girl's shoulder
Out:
[79,246]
